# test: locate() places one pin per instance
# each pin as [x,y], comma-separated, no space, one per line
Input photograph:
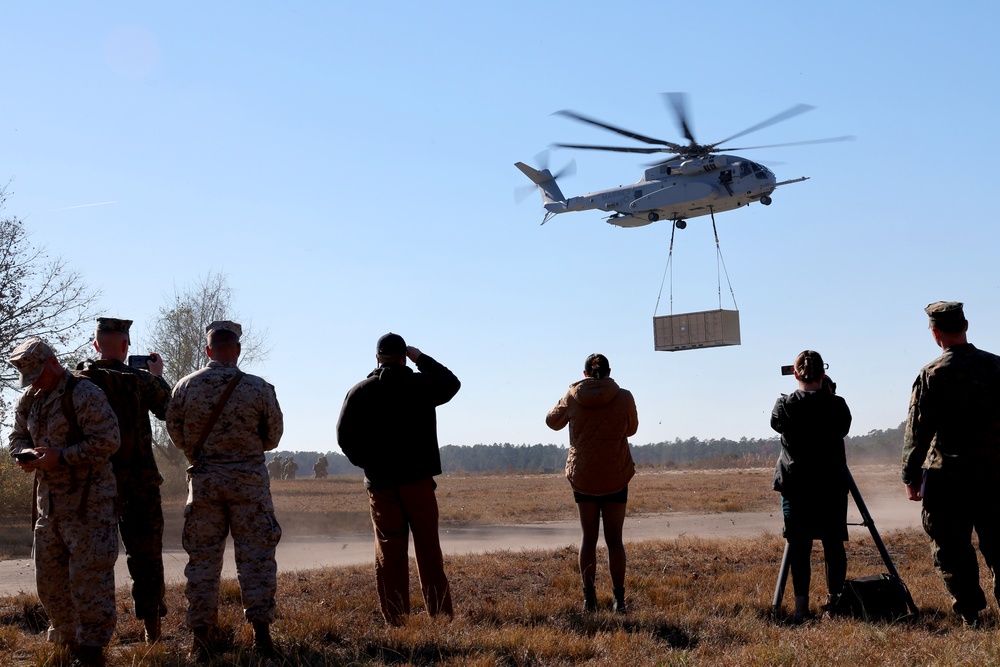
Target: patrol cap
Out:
[113,324]
[946,315]
[224,325]
[29,359]
[391,343]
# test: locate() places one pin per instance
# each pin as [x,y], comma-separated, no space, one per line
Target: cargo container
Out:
[687,331]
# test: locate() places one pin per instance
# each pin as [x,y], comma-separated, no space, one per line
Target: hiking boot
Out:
[262,640]
[801,609]
[152,626]
[88,656]
[202,646]
[589,599]
[618,606]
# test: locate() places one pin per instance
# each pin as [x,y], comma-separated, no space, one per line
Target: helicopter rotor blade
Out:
[679,103]
[617,149]
[625,133]
[828,140]
[783,116]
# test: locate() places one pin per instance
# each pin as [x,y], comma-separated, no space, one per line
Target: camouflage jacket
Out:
[39,422]
[954,417]
[250,423]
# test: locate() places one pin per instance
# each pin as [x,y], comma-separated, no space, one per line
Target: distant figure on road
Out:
[274,468]
[951,457]
[224,420]
[388,427]
[601,417]
[811,475]
[320,467]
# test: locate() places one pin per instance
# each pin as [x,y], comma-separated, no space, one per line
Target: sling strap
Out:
[214,417]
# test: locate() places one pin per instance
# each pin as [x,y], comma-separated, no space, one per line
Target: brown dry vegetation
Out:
[692,602]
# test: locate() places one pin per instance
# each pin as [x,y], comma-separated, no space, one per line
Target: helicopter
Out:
[699,179]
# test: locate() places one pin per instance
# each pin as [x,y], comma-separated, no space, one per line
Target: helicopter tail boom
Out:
[552,196]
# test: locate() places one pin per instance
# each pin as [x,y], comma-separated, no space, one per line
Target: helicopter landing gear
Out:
[680,224]
[653,216]
[765,200]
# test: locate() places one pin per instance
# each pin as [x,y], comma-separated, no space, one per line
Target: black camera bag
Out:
[879,597]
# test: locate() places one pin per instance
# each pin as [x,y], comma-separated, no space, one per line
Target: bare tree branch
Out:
[38,297]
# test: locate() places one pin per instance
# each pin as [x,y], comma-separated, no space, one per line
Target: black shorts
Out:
[617,497]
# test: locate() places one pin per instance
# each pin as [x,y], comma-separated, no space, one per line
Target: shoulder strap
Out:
[75,433]
[214,417]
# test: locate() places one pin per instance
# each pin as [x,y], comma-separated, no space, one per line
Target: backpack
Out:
[122,392]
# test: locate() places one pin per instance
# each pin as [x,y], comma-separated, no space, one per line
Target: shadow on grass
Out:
[26,613]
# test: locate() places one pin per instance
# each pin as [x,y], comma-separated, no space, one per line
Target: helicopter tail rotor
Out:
[552,197]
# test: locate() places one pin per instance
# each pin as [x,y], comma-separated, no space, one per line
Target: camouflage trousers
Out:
[217,504]
[140,523]
[75,558]
[395,512]
[953,507]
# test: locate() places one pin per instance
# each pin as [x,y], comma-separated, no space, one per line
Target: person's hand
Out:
[155,364]
[913,492]
[412,353]
[48,458]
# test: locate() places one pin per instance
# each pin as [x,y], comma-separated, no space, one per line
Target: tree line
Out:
[874,446]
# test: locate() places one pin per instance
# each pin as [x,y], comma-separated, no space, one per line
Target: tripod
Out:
[866,520]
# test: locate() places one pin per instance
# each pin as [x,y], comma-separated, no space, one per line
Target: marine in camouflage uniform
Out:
[229,487]
[75,535]
[951,457]
[133,394]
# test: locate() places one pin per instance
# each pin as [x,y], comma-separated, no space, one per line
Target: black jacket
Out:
[388,424]
[813,460]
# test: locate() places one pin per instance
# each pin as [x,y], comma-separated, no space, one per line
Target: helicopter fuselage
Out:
[681,190]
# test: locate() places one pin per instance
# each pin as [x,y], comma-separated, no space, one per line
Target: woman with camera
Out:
[811,475]
[601,416]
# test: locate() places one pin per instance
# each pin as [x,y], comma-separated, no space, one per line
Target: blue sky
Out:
[350,168]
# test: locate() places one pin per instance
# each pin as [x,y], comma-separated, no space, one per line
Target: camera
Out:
[139,361]
[788,370]
[24,457]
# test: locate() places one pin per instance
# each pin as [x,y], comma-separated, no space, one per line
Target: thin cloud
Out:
[100,203]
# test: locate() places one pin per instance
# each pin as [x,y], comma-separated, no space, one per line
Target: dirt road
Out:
[890,511]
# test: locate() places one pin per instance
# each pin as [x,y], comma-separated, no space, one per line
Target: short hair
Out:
[809,366]
[950,325]
[221,338]
[597,366]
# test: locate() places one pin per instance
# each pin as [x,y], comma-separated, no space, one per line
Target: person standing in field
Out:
[811,475]
[601,417]
[388,427]
[133,394]
[224,420]
[951,457]
[65,433]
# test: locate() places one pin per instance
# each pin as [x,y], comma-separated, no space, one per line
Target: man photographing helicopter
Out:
[951,457]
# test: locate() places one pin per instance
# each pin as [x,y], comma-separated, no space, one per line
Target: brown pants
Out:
[395,512]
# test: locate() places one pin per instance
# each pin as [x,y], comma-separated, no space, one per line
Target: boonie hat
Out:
[29,359]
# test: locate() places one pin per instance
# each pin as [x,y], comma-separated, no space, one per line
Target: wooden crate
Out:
[688,331]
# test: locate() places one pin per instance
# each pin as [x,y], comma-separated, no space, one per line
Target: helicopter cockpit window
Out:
[758,171]
[745,169]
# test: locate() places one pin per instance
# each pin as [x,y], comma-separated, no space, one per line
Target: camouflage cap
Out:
[224,325]
[391,343]
[945,314]
[29,359]
[113,324]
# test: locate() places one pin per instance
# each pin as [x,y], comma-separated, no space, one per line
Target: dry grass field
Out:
[692,601]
